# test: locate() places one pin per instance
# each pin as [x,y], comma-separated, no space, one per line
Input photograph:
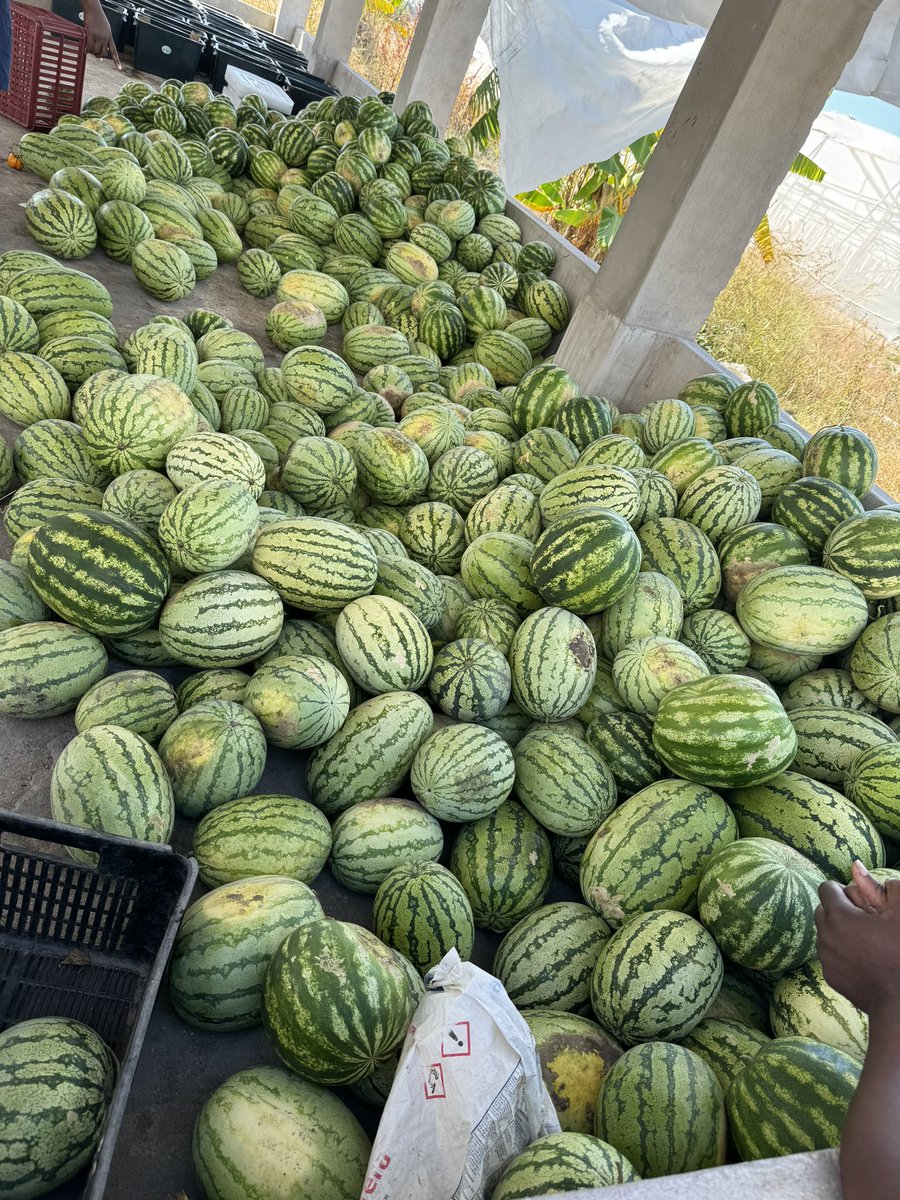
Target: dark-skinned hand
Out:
[99,35]
[859,940]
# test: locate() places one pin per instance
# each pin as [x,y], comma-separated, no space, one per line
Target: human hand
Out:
[99,35]
[859,942]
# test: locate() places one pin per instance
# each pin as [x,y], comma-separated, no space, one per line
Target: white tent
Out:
[850,223]
[580,79]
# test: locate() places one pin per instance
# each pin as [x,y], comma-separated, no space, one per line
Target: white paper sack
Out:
[467,1096]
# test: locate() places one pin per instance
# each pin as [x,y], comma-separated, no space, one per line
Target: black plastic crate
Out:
[117,15]
[257,62]
[90,942]
[171,13]
[227,24]
[167,50]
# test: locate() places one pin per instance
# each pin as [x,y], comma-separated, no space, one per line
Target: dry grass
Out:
[266,6]
[827,367]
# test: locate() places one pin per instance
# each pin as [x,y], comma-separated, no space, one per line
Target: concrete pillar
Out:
[440,54]
[291,19]
[335,36]
[760,80]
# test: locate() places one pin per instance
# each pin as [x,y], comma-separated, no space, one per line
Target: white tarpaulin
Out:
[581,79]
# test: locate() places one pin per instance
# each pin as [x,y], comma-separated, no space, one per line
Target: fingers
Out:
[114,54]
[870,890]
[833,897]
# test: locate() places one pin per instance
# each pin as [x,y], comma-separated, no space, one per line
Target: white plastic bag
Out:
[239,84]
[467,1096]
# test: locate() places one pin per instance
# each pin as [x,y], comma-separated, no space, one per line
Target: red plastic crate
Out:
[47,72]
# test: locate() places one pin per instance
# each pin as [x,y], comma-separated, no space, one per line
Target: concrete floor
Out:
[181,1066]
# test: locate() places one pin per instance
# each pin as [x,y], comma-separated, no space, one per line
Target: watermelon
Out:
[646,670]
[374,836]
[792,1096]
[844,454]
[19,603]
[651,852]
[31,389]
[751,408]
[724,731]
[133,421]
[661,1106]
[56,1082]
[575,1056]
[46,667]
[563,1162]
[716,636]
[651,607]
[625,742]
[586,561]
[743,999]
[224,944]
[813,508]
[222,619]
[830,740]
[337,1001]
[370,754]
[140,497]
[563,782]
[216,751]
[470,680]
[686,556]
[489,621]
[557,637]
[61,223]
[811,817]
[871,784]
[875,663]
[504,864]
[385,647]
[757,897]
[434,535]
[656,977]
[866,550]
[313,1145]
[163,269]
[712,389]
[497,566]
[422,911]
[462,773]
[262,835]
[546,960]
[111,780]
[804,1005]
[208,525]
[315,564]
[830,687]
[802,609]
[725,1046]
[141,701]
[299,700]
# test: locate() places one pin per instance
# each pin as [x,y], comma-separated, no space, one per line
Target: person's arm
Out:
[859,948]
[99,35]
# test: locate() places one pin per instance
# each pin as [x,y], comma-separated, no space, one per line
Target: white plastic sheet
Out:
[467,1096]
[581,79]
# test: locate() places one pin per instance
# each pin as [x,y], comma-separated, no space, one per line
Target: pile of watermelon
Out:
[510,634]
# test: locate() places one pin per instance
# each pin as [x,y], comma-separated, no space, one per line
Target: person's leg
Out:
[5,44]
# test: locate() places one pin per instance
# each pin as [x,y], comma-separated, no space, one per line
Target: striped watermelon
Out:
[683,461]
[111,780]
[757,897]
[829,687]
[830,740]
[373,837]
[162,269]
[750,409]
[318,472]
[717,637]
[802,609]
[866,550]
[507,509]
[496,566]
[337,1001]
[461,476]
[875,663]
[490,621]
[563,1162]
[563,782]
[651,852]
[384,645]
[575,1056]
[504,864]
[18,329]
[262,835]
[313,1145]
[743,999]
[61,223]
[871,784]
[470,680]
[222,619]
[208,525]
[625,742]
[647,670]
[804,1005]
[724,731]
[43,289]
[140,701]
[215,751]
[666,421]
[553,663]
[721,500]
[844,454]
[462,772]
[583,419]
[546,960]
[46,667]
[792,1096]
[655,978]
[315,564]
[41,499]
[56,1081]
[140,497]
[411,584]
[133,421]
[31,389]
[650,607]
[713,390]
[370,754]
[422,911]
[813,508]
[224,944]
[661,1106]
[725,1046]
[299,701]
[754,549]
[19,603]
[539,394]
[98,571]
[686,556]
